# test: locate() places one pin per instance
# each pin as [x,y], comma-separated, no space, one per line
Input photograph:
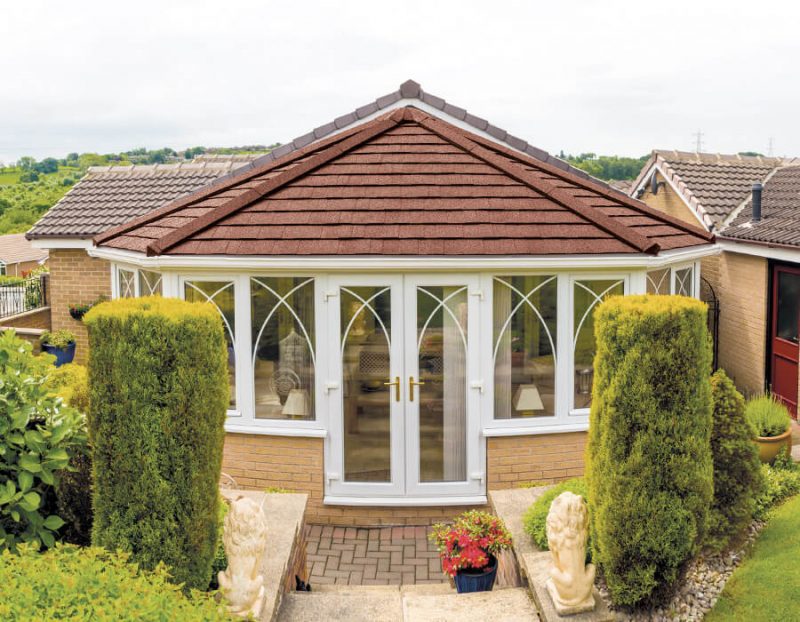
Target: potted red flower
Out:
[469,548]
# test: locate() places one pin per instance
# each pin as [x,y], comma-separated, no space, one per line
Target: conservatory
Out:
[406,291]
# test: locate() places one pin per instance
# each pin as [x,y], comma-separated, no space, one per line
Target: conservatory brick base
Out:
[296,464]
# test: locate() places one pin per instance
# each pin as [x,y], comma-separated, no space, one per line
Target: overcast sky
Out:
[611,77]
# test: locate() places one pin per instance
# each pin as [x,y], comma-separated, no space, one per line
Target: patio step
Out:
[413,603]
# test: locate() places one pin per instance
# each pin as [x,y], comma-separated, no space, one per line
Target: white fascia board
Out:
[779,253]
[401,263]
[56,243]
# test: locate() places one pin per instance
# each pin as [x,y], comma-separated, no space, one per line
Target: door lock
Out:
[396,385]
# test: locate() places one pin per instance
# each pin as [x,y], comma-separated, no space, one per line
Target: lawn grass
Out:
[767,584]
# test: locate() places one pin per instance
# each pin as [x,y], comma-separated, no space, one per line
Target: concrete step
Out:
[417,603]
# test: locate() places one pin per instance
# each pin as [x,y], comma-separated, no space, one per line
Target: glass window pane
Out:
[149,283]
[283,347]
[788,305]
[684,282]
[525,320]
[442,394]
[126,282]
[586,296]
[658,282]
[366,333]
[221,295]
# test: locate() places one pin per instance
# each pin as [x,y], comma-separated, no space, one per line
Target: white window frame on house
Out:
[2,268]
[672,277]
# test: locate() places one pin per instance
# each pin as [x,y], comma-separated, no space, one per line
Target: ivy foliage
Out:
[39,435]
[158,389]
[649,464]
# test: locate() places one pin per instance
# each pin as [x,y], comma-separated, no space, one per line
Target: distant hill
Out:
[606,167]
[28,188]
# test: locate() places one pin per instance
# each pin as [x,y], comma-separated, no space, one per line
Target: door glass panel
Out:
[366,333]
[282,326]
[586,296]
[788,305]
[524,346]
[220,294]
[442,358]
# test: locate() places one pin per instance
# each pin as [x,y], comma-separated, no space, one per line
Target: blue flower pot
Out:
[63,355]
[477,580]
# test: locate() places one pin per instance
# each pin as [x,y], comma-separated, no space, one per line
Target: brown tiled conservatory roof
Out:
[405,183]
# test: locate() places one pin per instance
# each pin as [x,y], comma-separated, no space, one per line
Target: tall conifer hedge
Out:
[158,385]
[649,464]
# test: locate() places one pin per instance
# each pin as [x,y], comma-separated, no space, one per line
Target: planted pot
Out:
[770,446]
[63,355]
[78,313]
[477,579]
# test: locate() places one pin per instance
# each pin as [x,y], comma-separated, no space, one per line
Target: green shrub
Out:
[158,385]
[737,472]
[71,382]
[649,465]
[220,558]
[11,280]
[57,338]
[781,481]
[39,435]
[767,416]
[535,518]
[72,583]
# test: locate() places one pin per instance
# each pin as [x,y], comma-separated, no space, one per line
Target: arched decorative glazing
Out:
[283,356]
[658,282]
[149,283]
[684,282]
[587,294]
[221,295]
[524,346]
[126,283]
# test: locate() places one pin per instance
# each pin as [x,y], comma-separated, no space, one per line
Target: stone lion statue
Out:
[571,579]
[245,539]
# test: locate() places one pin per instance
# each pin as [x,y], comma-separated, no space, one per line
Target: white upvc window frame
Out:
[674,268]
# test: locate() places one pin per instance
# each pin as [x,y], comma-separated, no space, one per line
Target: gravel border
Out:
[700,586]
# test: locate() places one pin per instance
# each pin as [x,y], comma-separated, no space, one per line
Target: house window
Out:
[524,346]
[221,295]
[587,294]
[149,283]
[282,327]
[684,282]
[658,282]
[2,269]
[126,283]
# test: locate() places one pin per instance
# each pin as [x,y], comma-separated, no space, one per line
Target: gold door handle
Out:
[396,385]
[411,385]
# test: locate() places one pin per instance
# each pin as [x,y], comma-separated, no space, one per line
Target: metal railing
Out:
[25,295]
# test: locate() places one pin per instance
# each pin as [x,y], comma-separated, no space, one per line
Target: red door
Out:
[785,319]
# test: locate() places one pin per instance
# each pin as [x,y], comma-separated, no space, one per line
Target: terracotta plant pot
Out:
[770,446]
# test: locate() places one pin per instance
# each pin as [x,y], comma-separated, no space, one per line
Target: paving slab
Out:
[510,505]
[510,605]
[351,606]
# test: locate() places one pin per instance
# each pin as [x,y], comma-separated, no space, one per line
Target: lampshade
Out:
[527,399]
[296,404]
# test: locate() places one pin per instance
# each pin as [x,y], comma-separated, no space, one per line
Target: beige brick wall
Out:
[76,278]
[741,284]
[668,201]
[38,318]
[297,464]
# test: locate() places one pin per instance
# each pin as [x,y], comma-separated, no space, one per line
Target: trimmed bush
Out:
[158,384]
[72,583]
[767,416]
[39,436]
[534,520]
[71,382]
[649,466]
[737,470]
[781,481]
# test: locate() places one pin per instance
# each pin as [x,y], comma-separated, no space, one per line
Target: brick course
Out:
[76,278]
[297,464]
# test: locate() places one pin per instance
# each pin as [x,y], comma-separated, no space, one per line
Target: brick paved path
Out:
[371,556]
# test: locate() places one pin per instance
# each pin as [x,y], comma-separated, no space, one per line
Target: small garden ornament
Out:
[571,579]
[245,540]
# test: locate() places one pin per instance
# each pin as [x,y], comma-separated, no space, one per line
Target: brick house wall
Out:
[38,318]
[76,278]
[668,201]
[17,269]
[297,464]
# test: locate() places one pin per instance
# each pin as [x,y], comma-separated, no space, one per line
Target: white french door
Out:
[404,391]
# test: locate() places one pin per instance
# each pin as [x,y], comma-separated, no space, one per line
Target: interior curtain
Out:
[455,391]
[502,365]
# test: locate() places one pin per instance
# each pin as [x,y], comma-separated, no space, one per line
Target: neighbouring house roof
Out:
[712,185]
[404,183]
[623,185]
[108,196]
[15,248]
[780,212]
